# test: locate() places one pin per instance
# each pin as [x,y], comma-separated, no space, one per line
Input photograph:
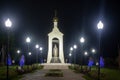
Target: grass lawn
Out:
[14,74]
[111,74]
[106,74]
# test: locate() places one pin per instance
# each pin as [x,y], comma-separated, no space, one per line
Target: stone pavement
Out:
[39,75]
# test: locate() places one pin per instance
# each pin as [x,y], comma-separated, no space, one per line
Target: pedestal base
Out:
[56,65]
[55,60]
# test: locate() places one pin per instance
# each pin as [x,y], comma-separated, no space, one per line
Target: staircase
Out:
[55,66]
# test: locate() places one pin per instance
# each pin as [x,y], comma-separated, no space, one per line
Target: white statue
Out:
[55,51]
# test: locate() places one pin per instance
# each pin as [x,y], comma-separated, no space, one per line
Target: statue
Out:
[55,51]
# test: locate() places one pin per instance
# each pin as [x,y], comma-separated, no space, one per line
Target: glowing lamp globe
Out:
[28,40]
[75,46]
[82,40]
[100,25]
[8,23]
[71,49]
[36,46]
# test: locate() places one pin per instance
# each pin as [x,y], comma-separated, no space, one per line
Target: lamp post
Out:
[36,46]
[28,40]
[30,55]
[71,49]
[18,51]
[70,57]
[8,24]
[41,49]
[82,40]
[93,54]
[86,53]
[93,50]
[75,47]
[100,27]
[41,52]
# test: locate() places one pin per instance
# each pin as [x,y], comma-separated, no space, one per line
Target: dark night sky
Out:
[76,18]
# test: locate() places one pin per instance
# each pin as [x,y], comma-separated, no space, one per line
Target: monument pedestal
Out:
[55,60]
[56,65]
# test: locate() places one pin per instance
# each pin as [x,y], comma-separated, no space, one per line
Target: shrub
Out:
[54,73]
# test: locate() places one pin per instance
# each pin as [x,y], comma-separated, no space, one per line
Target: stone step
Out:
[55,66]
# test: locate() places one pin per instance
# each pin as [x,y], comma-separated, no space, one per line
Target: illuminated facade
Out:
[55,44]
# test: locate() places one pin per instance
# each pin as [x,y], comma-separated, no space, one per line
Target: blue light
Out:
[90,63]
[22,61]
[9,61]
[101,62]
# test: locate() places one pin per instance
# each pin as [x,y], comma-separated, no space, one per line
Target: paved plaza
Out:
[40,75]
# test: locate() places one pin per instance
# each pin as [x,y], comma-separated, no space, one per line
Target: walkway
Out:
[39,75]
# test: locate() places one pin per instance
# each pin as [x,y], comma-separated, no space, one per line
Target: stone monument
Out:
[55,44]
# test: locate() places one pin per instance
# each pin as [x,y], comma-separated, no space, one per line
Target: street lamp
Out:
[93,51]
[41,52]
[70,57]
[100,27]
[41,49]
[82,40]
[75,47]
[36,46]
[70,54]
[8,24]
[30,55]
[28,40]
[18,51]
[86,53]
[71,49]
[93,54]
